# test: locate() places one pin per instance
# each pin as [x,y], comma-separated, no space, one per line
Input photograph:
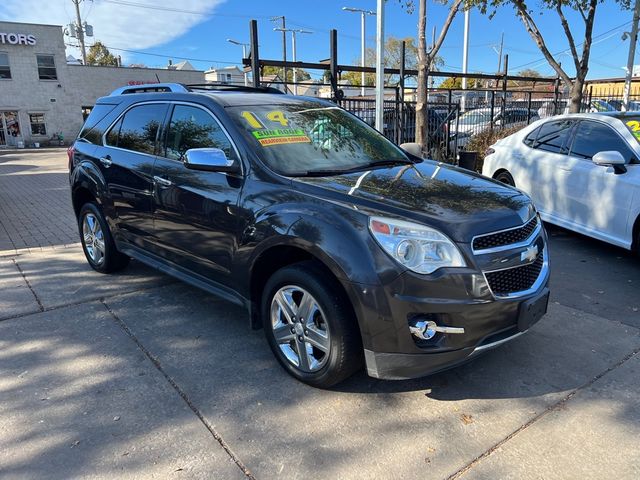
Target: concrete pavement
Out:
[136,375]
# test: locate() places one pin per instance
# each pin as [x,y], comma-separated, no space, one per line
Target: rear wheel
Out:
[97,241]
[310,326]
[505,177]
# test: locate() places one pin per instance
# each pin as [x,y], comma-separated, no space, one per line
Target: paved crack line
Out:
[556,406]
[40,306]
[180,392]
[87,301]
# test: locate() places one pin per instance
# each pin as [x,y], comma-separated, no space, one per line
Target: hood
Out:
[460,204]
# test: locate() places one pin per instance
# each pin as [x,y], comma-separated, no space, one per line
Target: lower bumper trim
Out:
[404,366]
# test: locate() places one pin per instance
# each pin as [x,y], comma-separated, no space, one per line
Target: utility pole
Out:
[80,31]
[363,15]
[293,48]
[283,27]
[632,55]
[465,56]
[380,66]
[433,45]
[244,55]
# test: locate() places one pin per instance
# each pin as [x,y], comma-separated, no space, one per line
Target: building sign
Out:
[17,39]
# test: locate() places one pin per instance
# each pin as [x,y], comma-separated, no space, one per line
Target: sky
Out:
[152,31]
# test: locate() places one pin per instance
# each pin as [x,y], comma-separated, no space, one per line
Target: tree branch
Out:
[567,32]
[582,13]
[443,32]
[535,34]
[586,47]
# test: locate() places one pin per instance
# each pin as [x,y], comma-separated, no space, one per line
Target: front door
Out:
[10,132]
[598,198]
[196,222]
[126,162]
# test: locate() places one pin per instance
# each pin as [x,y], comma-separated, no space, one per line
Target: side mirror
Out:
[209,160]
[412,149]
[610,158]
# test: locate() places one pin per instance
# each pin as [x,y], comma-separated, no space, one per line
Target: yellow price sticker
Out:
[634,125]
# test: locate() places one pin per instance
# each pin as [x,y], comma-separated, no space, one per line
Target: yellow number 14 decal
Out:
[276,116]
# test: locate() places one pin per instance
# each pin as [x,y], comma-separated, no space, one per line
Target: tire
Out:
[97,242]
[506,178]
[330,338]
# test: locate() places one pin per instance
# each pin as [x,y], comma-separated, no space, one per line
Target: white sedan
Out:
[581,170]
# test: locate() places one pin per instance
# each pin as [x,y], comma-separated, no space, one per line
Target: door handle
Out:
[106,161]
[162,181]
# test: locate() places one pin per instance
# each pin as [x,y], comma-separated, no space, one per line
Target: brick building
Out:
[42,96]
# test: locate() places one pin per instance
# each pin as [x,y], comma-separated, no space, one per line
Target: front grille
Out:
[506,237]
[517,279]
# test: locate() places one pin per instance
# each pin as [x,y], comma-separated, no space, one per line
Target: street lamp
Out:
[363,14]
[244,55]
[293,47]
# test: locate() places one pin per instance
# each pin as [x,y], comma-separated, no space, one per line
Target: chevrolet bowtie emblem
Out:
[530,254]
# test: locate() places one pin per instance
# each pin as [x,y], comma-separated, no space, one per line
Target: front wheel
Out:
[310,327]
[505,177]
[97,242]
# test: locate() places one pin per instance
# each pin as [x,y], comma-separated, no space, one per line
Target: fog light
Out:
[427,329]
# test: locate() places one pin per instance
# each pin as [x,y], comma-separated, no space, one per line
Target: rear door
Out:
[599,199]
[545,162]
[126,161]
[196,221]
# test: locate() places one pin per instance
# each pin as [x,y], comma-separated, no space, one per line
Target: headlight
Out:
[417,247]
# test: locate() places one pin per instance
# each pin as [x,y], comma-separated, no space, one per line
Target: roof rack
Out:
[228,86]
[150,88]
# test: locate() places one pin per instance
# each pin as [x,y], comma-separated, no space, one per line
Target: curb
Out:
[28,250]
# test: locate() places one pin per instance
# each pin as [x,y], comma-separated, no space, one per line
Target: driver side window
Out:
[192,127]
[593,137]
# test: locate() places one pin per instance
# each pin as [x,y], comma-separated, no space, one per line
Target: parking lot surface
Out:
[137,375]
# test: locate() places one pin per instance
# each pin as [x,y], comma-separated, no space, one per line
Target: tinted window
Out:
[530,139]
[94,126]
[192,127]
[593,137]
[552,136]
[138,129]
[5,71]
[46,67]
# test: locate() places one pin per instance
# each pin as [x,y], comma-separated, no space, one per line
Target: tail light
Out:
[70,152]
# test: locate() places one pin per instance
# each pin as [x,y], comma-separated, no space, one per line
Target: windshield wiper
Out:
[358,168]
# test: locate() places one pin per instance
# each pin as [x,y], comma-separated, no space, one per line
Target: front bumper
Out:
[461,298]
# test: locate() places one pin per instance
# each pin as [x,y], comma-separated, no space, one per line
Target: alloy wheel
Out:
[300,328]
[93,238]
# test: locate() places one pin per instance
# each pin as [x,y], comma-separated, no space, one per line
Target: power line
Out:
[577,45]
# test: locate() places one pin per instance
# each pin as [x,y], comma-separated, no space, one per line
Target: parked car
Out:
[479,120]
[345,248]
[581,170]
[616,103]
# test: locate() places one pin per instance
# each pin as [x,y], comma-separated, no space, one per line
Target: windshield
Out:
[310,137]
[475,117]
[632,122]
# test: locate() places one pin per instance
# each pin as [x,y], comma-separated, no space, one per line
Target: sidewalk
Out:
[35,204]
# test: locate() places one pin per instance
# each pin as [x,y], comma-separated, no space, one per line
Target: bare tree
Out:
[425,62]
[587,11]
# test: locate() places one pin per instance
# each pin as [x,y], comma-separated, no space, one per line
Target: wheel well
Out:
[80,197]
[499,171]
[272,260]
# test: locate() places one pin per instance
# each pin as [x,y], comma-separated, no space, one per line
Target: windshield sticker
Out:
[275,116]
[281,136]
[634,127]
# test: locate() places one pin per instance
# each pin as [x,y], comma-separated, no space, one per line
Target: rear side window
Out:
[553,136]
[192,127]
[593,137]
[138,129]
[94,126]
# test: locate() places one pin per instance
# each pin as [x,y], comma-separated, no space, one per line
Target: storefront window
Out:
[46,67]
[37,124]
[5,71]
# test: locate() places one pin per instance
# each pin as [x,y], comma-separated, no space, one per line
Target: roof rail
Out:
[228,86]
[149,88]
